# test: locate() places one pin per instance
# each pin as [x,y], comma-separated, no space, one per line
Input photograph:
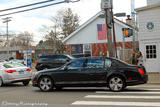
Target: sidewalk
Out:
[154,78]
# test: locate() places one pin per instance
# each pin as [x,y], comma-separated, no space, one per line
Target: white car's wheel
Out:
[1,82]
[25,83]
[116,83]
[45,83]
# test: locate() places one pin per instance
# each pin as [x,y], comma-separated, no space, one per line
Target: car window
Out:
[13,65]
[107,63]
[118,63]
[95,63]
[76,64]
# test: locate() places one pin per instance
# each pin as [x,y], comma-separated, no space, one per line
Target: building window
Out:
[151,51]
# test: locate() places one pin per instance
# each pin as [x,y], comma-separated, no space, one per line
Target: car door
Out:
[73,73]
[96,70]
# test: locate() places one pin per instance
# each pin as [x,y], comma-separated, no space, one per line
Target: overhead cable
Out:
[13,8]
[32,9]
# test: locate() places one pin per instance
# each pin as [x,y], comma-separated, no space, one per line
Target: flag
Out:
[102,31]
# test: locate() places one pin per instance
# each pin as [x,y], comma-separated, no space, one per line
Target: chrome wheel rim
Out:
[116,84]
[45,84]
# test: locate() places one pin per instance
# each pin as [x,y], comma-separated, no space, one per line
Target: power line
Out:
[32,9]
[38,7]
[26,5]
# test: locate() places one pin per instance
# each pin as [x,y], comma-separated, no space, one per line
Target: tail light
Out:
[141,71]
[10,71]
[29,69]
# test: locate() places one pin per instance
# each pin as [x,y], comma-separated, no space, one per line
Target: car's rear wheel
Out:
[1,82]
[45,83]
[25,83]
[116,83]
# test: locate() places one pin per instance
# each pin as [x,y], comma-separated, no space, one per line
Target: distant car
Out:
[1,61]
[91,72]
[81,55]
[52,61]
[17,61]
[14,72]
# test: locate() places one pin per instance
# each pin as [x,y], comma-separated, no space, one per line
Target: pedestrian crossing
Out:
[127,98]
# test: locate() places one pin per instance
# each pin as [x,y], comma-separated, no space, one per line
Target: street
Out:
[17,95]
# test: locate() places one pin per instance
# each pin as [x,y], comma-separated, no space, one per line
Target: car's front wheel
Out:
[45,83]
[116,83]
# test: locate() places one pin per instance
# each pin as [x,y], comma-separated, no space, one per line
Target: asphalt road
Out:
[17,95]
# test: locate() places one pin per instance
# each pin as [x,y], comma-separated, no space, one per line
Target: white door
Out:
[151,57]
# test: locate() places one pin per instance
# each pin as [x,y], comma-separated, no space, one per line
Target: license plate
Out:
[21,72]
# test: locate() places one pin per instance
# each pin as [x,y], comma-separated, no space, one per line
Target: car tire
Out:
[1,82]
[45,83]
[116,83]
[25,83]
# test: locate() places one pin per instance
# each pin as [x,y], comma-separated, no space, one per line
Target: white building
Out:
[148,19]
[86,37]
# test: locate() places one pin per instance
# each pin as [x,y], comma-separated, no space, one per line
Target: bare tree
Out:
[22,39]
[65,21]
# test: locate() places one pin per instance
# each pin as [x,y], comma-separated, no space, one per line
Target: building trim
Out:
[145,8]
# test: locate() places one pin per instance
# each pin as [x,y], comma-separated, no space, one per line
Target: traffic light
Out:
[127,32]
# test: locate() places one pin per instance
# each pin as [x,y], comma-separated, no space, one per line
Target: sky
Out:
[33,21]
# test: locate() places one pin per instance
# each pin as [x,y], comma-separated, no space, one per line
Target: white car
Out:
[14,72]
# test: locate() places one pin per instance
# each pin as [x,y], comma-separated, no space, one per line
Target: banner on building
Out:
[77,49]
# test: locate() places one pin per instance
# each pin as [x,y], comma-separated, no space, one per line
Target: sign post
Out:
[107,5]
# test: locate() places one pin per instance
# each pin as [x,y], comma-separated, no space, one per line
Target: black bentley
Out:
[91,72]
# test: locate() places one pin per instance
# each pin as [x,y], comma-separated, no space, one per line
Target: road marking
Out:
[113,97]
[109,103]
[105,92]
[146,86]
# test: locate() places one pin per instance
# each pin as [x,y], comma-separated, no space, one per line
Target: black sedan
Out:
[91,72]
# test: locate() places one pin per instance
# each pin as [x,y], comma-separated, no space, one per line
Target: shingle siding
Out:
[152,15]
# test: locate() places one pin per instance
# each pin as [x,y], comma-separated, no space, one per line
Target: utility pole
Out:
[123,50]
[114,35]
[107,5]
[6,20]
[134,23]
